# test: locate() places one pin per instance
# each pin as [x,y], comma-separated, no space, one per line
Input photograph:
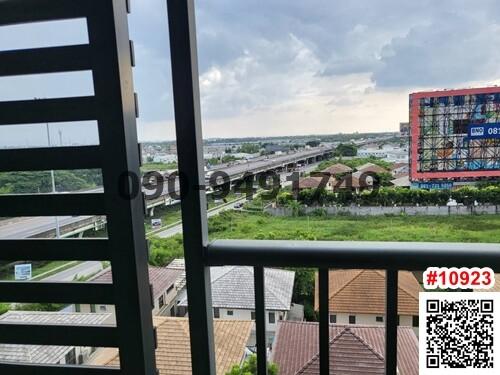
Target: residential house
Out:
[173,354]
[402,181]
[233,295]
[400,169]
[358,297]
[164,291]
[312,183]
[371,168]
[353,349]
[337,169]
[356,182]
[50,354]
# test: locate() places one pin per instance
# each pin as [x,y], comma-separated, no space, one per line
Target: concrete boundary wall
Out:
[379,210]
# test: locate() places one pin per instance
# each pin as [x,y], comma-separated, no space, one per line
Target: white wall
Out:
[370,319]
[241,314]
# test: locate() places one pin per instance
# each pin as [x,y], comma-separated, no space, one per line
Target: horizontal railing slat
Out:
[52,204]
[82,108]
[56,292]
[24,11]
[44,334]
[412,256]
[45,60]
[44,159]
[52,249]
[30,369]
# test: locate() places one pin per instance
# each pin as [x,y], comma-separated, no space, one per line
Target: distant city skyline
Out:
[287,68]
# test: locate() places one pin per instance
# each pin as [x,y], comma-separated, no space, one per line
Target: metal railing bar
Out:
[13,205]
[324,322]
[45,60]
[57,292]
[391,322]
[412,256]
[38,334]
[184,63]
[44,159]
[260,320]
[107,26]
[24,11]
[52,249]
[30,369]
[81,108]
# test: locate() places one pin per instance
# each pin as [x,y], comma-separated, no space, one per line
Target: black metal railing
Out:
[108,57]
[200,254]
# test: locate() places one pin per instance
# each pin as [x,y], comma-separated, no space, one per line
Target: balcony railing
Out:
[200,254]
[108,57]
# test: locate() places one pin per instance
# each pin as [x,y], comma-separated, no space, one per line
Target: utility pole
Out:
[52,175]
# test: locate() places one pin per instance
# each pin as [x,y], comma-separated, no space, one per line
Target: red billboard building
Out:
[455,135]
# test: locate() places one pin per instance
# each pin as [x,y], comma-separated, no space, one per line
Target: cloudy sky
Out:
[284,67]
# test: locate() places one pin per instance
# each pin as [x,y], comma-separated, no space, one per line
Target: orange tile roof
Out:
[496,287]
[173,356]
[363,292]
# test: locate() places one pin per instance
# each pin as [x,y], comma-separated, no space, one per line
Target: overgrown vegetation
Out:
[353,163]
[40,182]
[248,225]
[158,166]
[249,367]
[389,196]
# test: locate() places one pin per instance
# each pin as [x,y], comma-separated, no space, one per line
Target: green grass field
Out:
[484,228]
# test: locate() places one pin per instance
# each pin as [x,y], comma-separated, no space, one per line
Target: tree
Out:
[344,149]
[249,367]
[313,143]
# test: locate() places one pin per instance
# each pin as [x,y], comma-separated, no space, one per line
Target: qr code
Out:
[457,333]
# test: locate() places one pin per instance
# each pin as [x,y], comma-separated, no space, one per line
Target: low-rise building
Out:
[233,295]
[358,297]
[163,281]
[50,354]
[353,349]
[337,169]
[371,168]
[173,354]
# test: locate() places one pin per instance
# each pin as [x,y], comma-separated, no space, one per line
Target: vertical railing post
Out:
[260,320]
[324,323]
[391,322]
[183,52]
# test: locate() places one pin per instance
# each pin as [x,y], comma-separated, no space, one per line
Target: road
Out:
[82,269]
[33,226]
[172,231]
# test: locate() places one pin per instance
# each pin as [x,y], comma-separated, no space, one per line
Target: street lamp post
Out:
[52,175]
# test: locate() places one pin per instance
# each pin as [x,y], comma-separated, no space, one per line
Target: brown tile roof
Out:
[309,182]
[496,287]
[353,349]
[363,292]
[173,356]
[160,277]
[354,180]
[370,167]
[337,169]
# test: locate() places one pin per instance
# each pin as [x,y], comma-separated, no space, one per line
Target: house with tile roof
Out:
[163,282]
[233,295]
[354,349]
[370,168]
[337,169]
[358,297]
[173,354]
[50,354]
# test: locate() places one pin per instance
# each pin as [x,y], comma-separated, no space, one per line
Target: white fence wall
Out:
[379,210]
